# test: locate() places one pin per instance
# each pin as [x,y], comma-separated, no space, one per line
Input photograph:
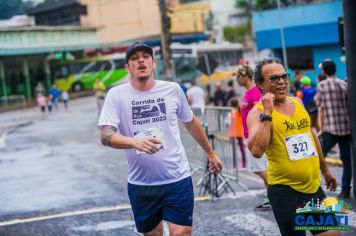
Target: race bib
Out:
[300,146]
[154,132]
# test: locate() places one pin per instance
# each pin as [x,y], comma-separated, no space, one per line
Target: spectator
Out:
[99,90]
[49,103]
[55,93]
[196,97]
[41,101]
[236,131]
[65,98]
[334,120]
[296,83]
[249,100]
[307,93]
[230,92]
[219,94]
[40,89]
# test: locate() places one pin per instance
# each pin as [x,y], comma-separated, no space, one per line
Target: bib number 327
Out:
[300,146]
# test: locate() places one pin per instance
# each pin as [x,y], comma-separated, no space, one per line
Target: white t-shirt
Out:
[133,111]
[65,96]
[198,97]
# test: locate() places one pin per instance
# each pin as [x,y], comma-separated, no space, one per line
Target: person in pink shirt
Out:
[41,101]
[250,98]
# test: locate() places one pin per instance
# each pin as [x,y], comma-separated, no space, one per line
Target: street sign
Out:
[207,64]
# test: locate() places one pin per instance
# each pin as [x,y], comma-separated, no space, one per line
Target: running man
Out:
[280,127]
[141,117]
[99,90]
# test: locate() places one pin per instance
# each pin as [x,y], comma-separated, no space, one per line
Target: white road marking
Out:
[66,214]
[81,212]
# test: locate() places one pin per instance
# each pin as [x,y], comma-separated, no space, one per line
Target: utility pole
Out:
[284,51]
[349,9]
[166,41]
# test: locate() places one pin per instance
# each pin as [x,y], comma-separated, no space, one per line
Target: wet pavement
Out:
[57,179]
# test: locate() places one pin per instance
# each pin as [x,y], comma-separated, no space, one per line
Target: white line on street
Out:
[66,214]
[81,212]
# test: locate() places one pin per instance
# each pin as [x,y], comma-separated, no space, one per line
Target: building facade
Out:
[25,54]
[310,35]
[124,20]
[75,26]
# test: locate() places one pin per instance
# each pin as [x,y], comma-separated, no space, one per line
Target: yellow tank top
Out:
[299,167]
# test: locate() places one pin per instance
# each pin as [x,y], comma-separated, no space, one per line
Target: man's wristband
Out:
[211,154]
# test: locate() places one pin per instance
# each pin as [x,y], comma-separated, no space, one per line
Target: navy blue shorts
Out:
[170,202]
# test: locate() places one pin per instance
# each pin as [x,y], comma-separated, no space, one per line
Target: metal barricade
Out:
[216,121]
[195,154]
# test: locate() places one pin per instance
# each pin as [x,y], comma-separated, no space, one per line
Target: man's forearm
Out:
[195,129]
[259,138]
[110,138]
[321,117]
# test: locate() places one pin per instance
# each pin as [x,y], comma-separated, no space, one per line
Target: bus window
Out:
[77,68]
[109,65]
[120,63]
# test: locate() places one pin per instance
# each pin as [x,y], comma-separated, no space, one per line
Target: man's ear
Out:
[154,62]
[127,67]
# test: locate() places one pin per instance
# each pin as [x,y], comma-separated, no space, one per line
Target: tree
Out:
[243,33]
[258,5]
[237,34]
[9,8]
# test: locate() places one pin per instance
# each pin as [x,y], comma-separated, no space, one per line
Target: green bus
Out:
[80,74]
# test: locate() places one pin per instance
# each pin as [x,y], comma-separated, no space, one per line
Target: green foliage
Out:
[237,34]
[259,5]
[253,5]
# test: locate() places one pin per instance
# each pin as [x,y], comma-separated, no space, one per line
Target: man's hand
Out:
[215,164]
[267,103]
[320,132]
[147,145]
[330,181]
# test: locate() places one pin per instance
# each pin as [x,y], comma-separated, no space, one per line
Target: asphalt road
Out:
[57,179]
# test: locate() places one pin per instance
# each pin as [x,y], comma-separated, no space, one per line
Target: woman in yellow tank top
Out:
[280,127]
